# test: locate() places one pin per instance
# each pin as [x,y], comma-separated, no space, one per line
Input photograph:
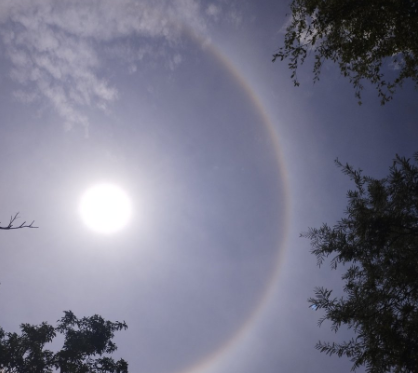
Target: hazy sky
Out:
[226,163]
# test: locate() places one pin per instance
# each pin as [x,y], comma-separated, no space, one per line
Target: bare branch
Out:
[23,225]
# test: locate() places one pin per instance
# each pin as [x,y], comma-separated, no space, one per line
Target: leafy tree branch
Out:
[87,341]
[376,242]
[365,40]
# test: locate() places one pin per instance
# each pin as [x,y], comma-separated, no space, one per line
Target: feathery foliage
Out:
[377,244]
[86,340]
[362,37]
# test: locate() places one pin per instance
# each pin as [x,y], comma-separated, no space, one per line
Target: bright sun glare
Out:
[105,208]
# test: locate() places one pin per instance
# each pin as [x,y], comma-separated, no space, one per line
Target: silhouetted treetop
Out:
[86,343]
[377,244]
[365,39]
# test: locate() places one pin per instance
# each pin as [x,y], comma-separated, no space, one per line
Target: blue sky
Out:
[225,161]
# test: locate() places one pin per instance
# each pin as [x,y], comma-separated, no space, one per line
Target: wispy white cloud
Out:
[26,97]
[175,61]
[222,11]
[285,25]
[235,17]
[213,11]
[56,47]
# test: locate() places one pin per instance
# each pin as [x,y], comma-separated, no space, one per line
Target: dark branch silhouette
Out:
[376,244]
[373,41]
[23,225]
[87,346]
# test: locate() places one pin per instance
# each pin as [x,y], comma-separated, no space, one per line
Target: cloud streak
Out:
[55,46]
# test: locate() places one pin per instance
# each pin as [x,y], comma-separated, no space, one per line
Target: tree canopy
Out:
[363,38]
[87,341]
[377,245]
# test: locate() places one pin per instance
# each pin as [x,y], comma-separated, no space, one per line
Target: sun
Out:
[105,208]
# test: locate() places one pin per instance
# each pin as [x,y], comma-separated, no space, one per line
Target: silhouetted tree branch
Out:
[86,346]
[370,41]
[23,225]
[377,243]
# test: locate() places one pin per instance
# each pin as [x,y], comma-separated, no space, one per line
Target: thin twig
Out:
[23,225]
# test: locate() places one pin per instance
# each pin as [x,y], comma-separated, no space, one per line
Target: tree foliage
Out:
[363,38]
[87,341]
[377,245]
